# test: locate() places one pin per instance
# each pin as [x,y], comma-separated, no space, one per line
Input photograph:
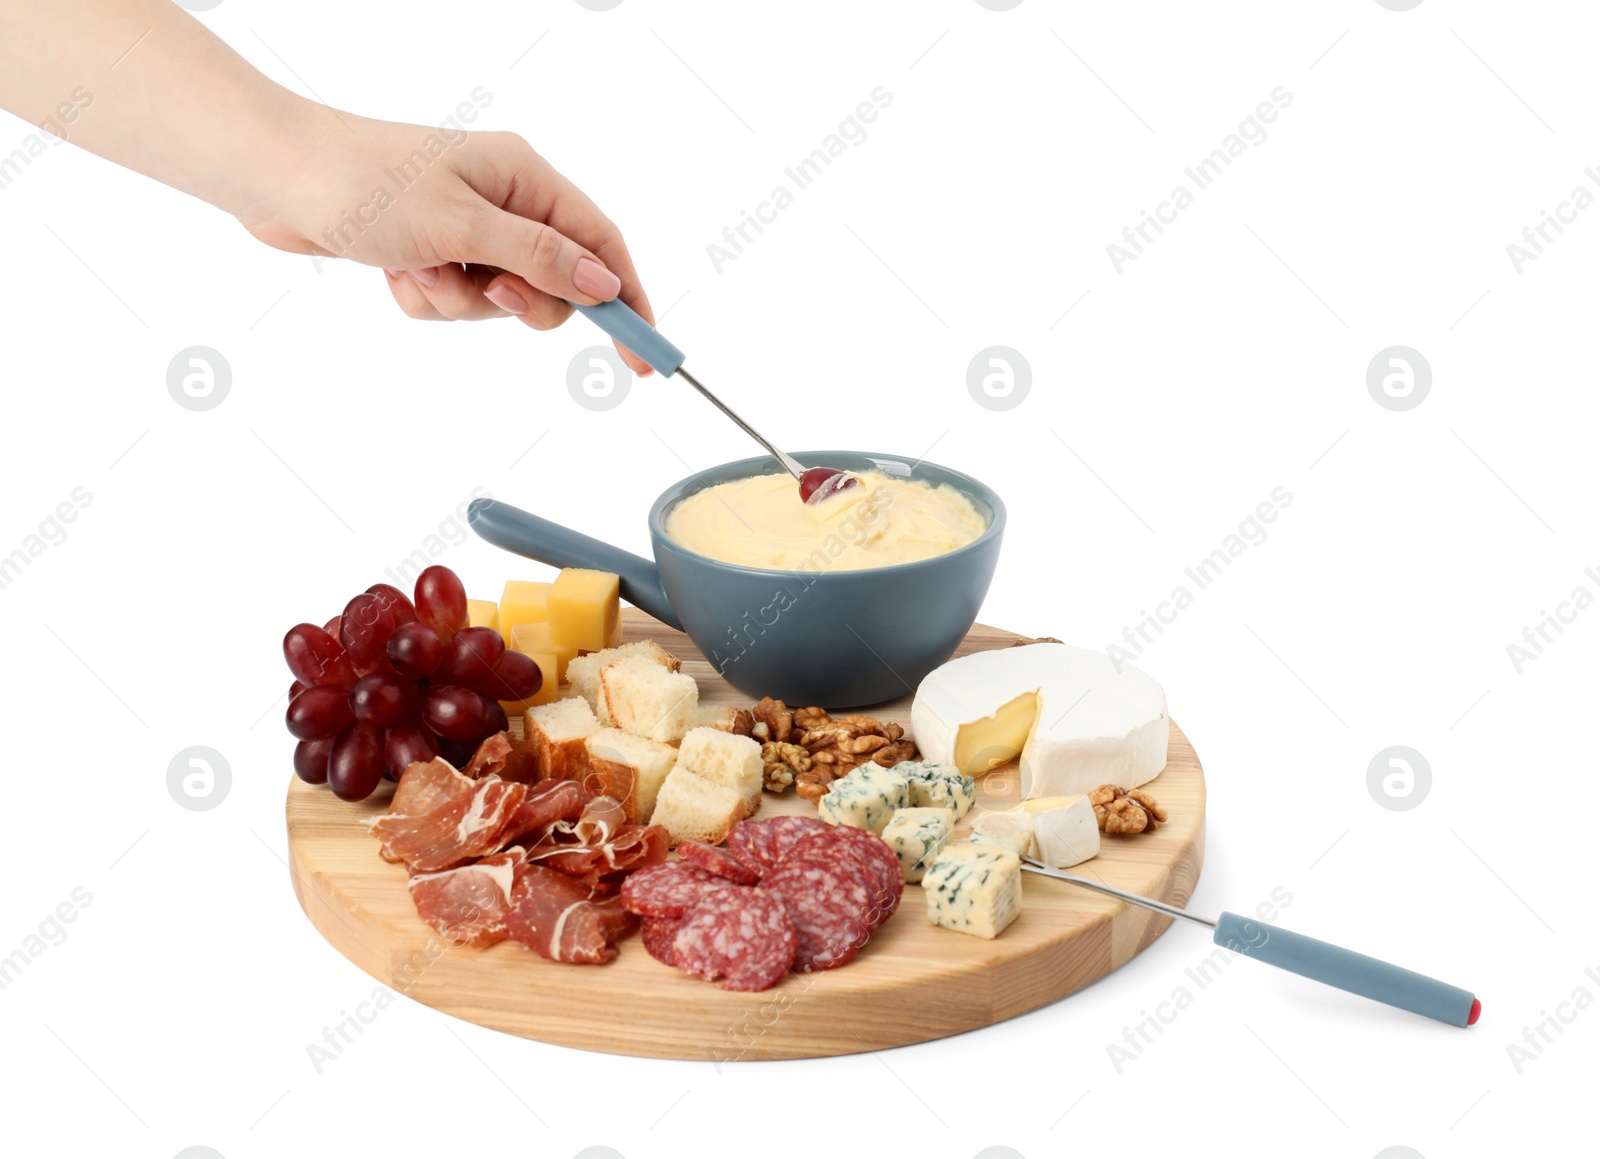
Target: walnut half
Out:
[1126,810]
[781,763]
[771,721]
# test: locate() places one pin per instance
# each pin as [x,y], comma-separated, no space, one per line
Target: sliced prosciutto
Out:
[475,822]
[469,904]
[599,848]
[553,915]
[499,756]
[424,787]
[544,805]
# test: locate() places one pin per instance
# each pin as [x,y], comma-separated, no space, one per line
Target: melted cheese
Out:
[762,522]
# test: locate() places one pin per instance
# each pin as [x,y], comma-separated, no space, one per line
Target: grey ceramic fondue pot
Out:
[818,635]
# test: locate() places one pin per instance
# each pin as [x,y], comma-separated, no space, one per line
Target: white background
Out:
[1226,361]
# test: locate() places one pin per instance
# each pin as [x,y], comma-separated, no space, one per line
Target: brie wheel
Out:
[1075,720]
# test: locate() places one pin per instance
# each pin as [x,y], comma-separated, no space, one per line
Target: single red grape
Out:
[470,656]
[319,712]
[457,752]
[454,712]
[316,657]
[355,766]
[820,483]
[332,627]
[296,689]
[496,719]
[364,629]
[311,760]
[441,601]
[405,744]
[515,677]
[382,699]
[414,651]
[395,603]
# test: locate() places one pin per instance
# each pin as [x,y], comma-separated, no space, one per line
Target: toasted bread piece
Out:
[717,716]
[729,760]
[693,808]
[583,673]
[645,699]
[629,768]
[555,733]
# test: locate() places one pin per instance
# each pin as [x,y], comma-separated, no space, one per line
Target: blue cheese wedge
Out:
[865,798]
[975,889]
[916,835]
[938,787]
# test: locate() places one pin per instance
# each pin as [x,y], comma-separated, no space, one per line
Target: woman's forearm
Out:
[146,85]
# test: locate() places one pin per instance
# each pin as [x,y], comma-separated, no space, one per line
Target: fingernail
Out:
[506,298]
[595,280]
[393,274]
[427,276]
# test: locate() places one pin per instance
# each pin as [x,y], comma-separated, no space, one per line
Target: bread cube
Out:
[642,697]
[717,716]
[629,768]
[583,673]
[729,760]
[556,732]
[693,808]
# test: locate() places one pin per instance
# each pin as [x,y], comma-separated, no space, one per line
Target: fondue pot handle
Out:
[528,535]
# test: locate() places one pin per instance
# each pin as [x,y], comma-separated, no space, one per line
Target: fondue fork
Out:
[618,320]
[1320,961]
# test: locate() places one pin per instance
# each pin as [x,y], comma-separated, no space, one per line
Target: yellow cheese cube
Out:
[522,602]
[534,639]
[584,610]
[549,691]
[483,614]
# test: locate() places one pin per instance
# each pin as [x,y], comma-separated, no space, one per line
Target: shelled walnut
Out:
[840,743]
[771,721]
[781,763]
[1126,810]
[813,784]
[810,749]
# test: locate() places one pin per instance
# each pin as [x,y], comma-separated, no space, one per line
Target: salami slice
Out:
[760,845]
[667,889]
[657,935]
[886,877]
[830,905]
[714,859]
[739,937]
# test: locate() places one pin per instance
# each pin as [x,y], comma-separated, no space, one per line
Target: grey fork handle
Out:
[619,321]
[1347,970]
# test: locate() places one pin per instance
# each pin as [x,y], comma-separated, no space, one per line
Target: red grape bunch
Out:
[388,682]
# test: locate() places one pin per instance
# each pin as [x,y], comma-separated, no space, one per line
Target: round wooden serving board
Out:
[912,982]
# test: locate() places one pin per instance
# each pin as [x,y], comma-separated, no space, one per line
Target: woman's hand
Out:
[469,225]
[465,225]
